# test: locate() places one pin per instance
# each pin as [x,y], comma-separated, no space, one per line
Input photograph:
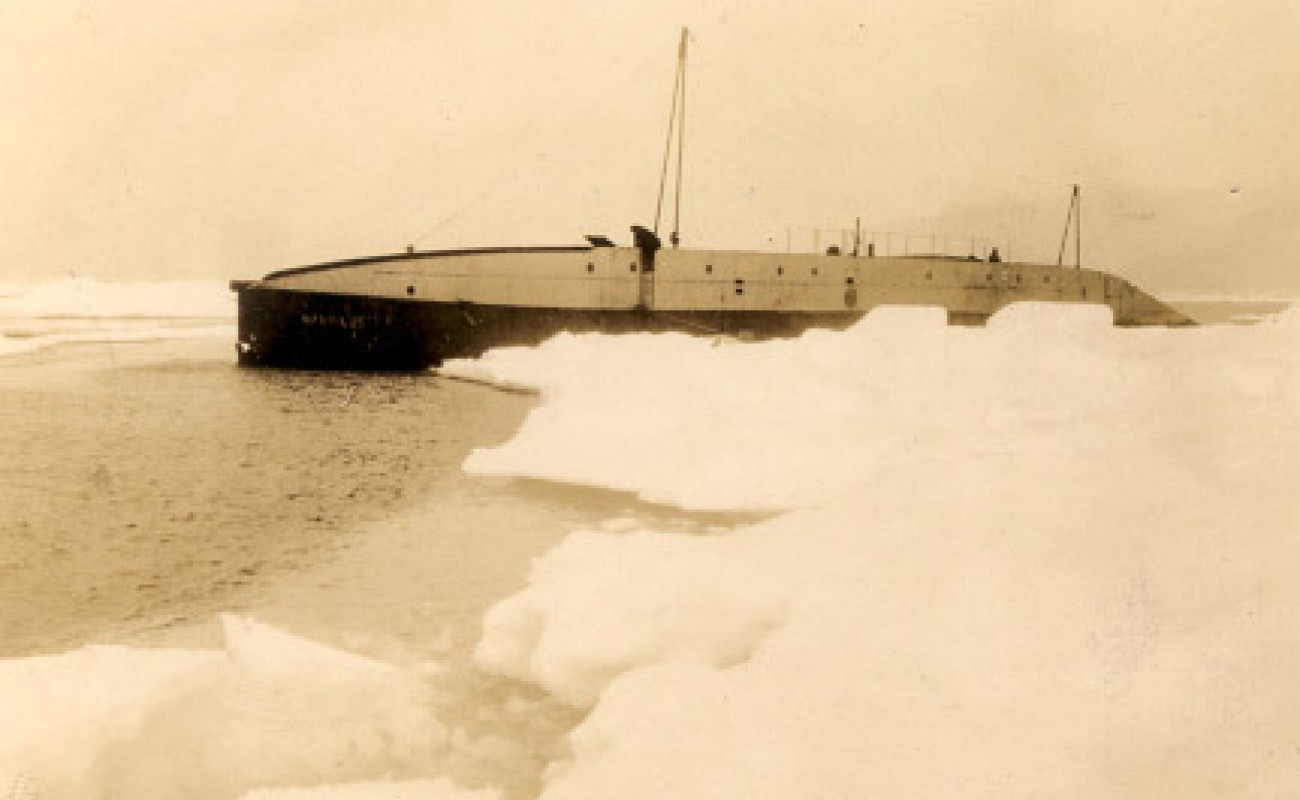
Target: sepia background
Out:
[158,139]
[1047,557]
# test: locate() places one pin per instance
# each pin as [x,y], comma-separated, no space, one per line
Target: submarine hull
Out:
[326,331]
[415,310]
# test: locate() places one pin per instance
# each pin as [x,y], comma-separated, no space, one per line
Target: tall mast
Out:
[676,124]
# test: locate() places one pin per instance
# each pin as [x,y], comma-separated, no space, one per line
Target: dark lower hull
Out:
[311,330]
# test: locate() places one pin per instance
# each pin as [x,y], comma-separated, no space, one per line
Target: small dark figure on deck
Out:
[994,258]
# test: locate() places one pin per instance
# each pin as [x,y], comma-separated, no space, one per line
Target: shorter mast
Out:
[1073,217]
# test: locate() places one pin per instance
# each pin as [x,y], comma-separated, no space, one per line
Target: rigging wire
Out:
[581,120]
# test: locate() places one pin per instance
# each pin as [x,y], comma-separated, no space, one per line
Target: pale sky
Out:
[154,139]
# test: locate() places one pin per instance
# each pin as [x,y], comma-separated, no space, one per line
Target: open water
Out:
[148,486]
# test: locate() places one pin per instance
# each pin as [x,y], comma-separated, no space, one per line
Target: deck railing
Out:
[866,243]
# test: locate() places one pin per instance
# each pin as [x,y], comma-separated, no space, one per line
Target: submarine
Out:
[415,309]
